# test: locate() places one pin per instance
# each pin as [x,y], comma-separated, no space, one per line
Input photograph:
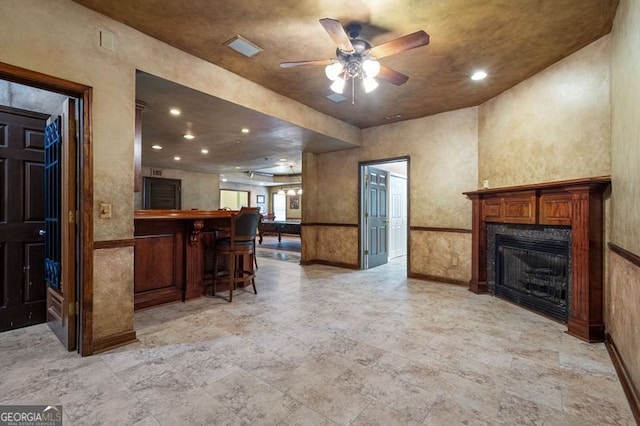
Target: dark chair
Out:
[240,243]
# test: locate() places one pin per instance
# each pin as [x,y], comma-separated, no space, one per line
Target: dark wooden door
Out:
[22,286]
[377,216]
[60,222]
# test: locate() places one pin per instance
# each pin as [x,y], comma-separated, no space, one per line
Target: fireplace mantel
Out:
[575,203]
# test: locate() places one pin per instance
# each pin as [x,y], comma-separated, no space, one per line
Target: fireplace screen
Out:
[534,273]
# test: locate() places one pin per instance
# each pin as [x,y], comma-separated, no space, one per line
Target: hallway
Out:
[320,346]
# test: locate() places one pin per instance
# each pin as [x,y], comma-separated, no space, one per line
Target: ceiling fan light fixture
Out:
[370,84]
[338,85]
[371,67]
[356,58]
[333,70]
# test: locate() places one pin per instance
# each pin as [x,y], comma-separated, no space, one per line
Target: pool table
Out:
[278,227]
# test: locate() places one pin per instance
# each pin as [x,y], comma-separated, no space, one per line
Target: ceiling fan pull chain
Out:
[353,91]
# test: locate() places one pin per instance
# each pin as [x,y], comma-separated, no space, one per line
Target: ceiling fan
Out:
[355,58]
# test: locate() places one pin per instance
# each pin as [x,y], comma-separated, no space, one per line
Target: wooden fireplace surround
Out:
[576,203]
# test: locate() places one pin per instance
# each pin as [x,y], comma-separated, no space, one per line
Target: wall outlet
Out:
[454,261]
[105,211]
[485,184]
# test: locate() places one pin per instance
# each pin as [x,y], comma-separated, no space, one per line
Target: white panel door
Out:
[398,217]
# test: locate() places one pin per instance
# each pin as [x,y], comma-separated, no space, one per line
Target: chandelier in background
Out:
[290,191]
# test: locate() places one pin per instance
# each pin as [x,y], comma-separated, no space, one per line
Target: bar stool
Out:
[240,243]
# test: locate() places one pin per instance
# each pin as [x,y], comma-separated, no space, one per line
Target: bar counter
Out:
[174,253]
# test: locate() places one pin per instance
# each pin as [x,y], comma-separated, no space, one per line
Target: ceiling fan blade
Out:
[411,41]
[393,77]
[339,36]
[319,62]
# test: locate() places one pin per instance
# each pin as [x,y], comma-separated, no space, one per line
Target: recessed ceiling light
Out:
[283,160]
[237,167]
[244,130]
[204,151]
[156,147]
[243,46]
[177,158]
[224,179]
[188,136]
[174,111]
[479,75]
[237,141]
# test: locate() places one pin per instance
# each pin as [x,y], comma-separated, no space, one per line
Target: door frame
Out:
[361,207]
[84,188]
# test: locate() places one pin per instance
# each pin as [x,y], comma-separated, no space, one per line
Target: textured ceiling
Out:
[216,125]
[510,39]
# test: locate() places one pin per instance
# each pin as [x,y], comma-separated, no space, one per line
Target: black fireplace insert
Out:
[534,273]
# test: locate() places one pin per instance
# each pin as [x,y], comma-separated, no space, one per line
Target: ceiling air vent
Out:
[243,46]
[336,97]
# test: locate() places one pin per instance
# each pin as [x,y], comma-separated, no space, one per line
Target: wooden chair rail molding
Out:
[575,203]
[625,254]
[438,229]
[337,225]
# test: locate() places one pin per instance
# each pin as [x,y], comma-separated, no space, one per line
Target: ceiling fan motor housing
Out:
[353,61]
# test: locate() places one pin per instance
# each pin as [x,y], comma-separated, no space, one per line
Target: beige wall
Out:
[199,190]
[443,164]
[253,191]
[61,38]
[622,315]
[553,126]
[625,113]
[443,157]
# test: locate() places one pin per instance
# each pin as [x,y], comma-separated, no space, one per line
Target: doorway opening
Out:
[384,207]
[46,191]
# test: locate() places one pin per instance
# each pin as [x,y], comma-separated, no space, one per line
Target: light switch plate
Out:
[105,211]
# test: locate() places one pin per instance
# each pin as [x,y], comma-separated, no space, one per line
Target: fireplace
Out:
[534,273]
[574,207]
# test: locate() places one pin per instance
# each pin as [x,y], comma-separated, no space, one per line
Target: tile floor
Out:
[322,346]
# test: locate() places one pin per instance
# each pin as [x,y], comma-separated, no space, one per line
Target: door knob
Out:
[42,232]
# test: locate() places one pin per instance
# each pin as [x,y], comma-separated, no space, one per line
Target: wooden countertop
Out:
[182,214]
